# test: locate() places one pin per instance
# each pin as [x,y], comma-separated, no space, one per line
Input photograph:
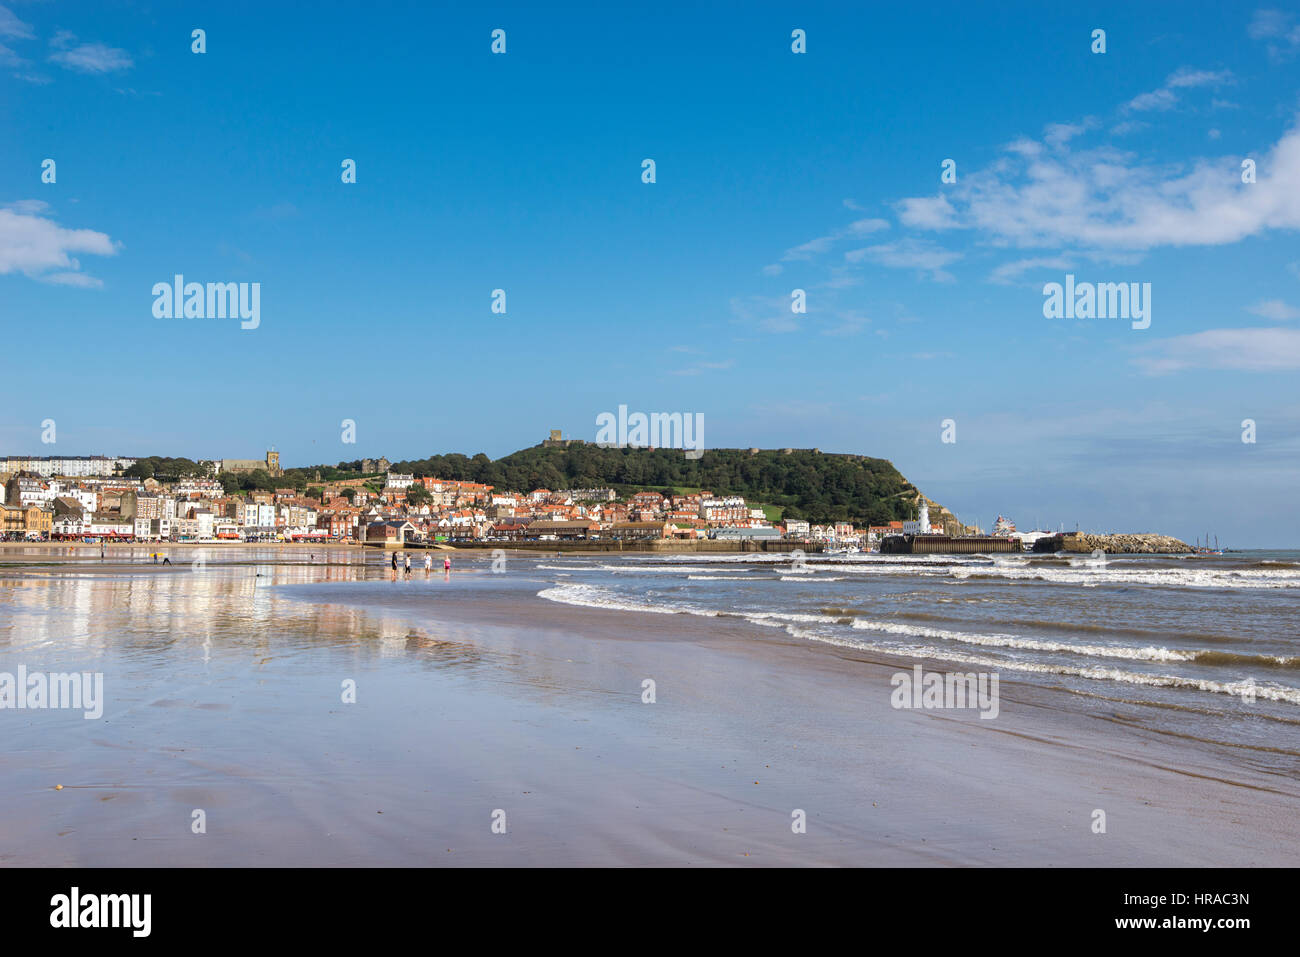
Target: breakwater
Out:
[1145,543]
[946,545]
[665,545]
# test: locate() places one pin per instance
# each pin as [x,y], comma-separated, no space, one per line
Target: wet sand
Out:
[474,695]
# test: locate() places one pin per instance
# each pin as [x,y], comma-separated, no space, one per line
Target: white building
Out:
[69,525]
[207,488]
[922,526]
[74,466]
[29,491]
[397,480]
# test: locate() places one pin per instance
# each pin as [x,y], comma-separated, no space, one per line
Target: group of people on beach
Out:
[405,566]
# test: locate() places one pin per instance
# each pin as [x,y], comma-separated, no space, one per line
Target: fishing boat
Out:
[1206,549]
[846,549]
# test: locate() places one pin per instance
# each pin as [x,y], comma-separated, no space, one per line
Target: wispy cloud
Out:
[87,57]
[927,212]
[1168,96]
[919,254]
[1059,134]
[1244,350]
[1103,198]
[1274,309]
[823,244]
[11,26]
[767,313]
[37,247]
[1279,31]
[1008,273]
[850,322]
[702,367]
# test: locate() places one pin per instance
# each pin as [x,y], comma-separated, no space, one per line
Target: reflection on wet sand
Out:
[230,606]
[223,692]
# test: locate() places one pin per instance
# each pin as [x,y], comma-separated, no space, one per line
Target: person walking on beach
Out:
[428,563]
[446,564]
[408,564]
[394,566]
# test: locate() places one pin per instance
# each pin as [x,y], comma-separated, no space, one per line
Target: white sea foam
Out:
[598,596]
[1092,573]
[920,641]
[1150,653]
[1269,691]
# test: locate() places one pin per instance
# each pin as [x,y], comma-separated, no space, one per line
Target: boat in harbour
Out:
[1206,549]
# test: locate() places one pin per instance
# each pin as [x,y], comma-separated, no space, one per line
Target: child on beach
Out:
[408,566]
[446,565]
[428,563]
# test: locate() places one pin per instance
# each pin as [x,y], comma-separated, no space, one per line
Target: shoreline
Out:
[476,695]
[1165,796]
[668,548]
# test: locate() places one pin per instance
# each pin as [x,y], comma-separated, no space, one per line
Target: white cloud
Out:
[1008,273]
[700,367]
[815,247]
[768,313]
[39,248]
[852,322]
[1247,350]
[1167,96]
[11,26]
[1279,30]
[87,57]
[927,212]
[72,279]
[1274,309]
[1128,126]
[1103,199]
[1058,134]
[919,254]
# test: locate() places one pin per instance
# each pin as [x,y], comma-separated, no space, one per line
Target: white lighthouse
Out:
[922,524]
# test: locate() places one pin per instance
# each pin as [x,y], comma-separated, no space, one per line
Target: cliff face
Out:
[1147,543]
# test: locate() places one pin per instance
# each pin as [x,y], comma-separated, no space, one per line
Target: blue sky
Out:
[775,171]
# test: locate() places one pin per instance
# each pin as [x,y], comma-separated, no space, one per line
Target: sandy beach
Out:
[475,696]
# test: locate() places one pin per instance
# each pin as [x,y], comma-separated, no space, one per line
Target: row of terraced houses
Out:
[42,504]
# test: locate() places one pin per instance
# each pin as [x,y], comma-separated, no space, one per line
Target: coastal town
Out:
[94,499]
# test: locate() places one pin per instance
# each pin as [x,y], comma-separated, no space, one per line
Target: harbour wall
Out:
[946,545]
